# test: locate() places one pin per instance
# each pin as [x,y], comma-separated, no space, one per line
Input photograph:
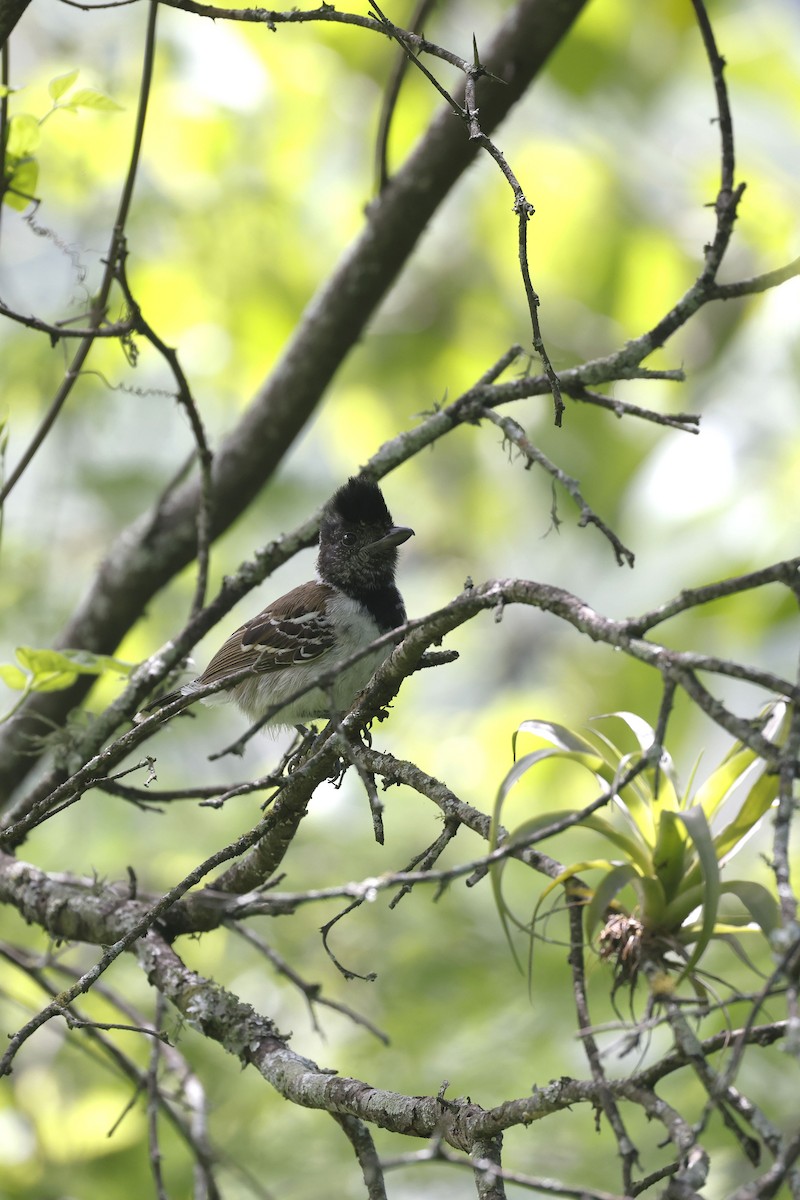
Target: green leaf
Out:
[698,829]
[730,840]
[636,801]
[603,760]
[589,864]
[521,768]
[62,83]
[678,909]
[24,135]
[758,801]
[635,798]
[722,781]
[55,670]
[759,902]
[81,662]
[21,187]
[636,850]
[90,98]
[669,853]
[12,677]
[557,735]
[668,784]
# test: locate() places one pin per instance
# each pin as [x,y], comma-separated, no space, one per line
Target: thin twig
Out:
[515,434]
[153,1104]
[686,422]
[390,98]
[627,1150]
[360,1138]
[205,512]
[522,206]
[311,992]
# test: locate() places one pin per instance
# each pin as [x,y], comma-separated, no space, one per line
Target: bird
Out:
[353,600]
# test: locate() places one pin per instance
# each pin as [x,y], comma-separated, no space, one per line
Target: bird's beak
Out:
[395,537]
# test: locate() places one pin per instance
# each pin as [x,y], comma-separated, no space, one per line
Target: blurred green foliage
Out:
[257,165]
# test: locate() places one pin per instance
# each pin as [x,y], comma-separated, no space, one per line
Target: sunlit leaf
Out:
[721,782]
[55,670]
[558,735]
[22,184]
[62,83]
[759,800]
[24,135]
[14,678]
[636,797]
[589,761]
[90,98]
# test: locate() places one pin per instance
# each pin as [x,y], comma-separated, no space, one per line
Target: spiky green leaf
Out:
[757,802]
[759,902]
[663,785]
[700,833]
[669,853]
[557,735]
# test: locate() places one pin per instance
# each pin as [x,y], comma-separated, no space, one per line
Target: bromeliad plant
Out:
[657,903]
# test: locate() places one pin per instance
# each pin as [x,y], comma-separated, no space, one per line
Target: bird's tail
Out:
[162,702]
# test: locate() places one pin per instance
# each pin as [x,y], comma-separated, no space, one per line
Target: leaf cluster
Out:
[21,167]
[657,900]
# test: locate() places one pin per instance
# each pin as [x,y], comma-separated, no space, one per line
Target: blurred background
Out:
[257,165]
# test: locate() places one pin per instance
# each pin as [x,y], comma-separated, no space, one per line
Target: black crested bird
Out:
[352,601]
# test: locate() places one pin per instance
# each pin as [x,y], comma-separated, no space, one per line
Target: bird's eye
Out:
[348,539]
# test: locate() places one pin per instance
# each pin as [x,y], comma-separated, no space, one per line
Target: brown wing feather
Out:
[290,631]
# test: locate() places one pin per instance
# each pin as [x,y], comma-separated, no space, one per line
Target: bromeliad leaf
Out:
[669,853]
[760,903]
[669,858]
[758,801]
[698,829]
[557,735]
[24,135]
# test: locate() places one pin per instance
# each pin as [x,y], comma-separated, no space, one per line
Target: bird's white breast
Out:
[355,629]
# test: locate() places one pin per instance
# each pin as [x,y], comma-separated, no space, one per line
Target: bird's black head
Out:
[357,539]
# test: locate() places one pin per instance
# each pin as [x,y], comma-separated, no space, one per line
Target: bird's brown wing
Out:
[291,631]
